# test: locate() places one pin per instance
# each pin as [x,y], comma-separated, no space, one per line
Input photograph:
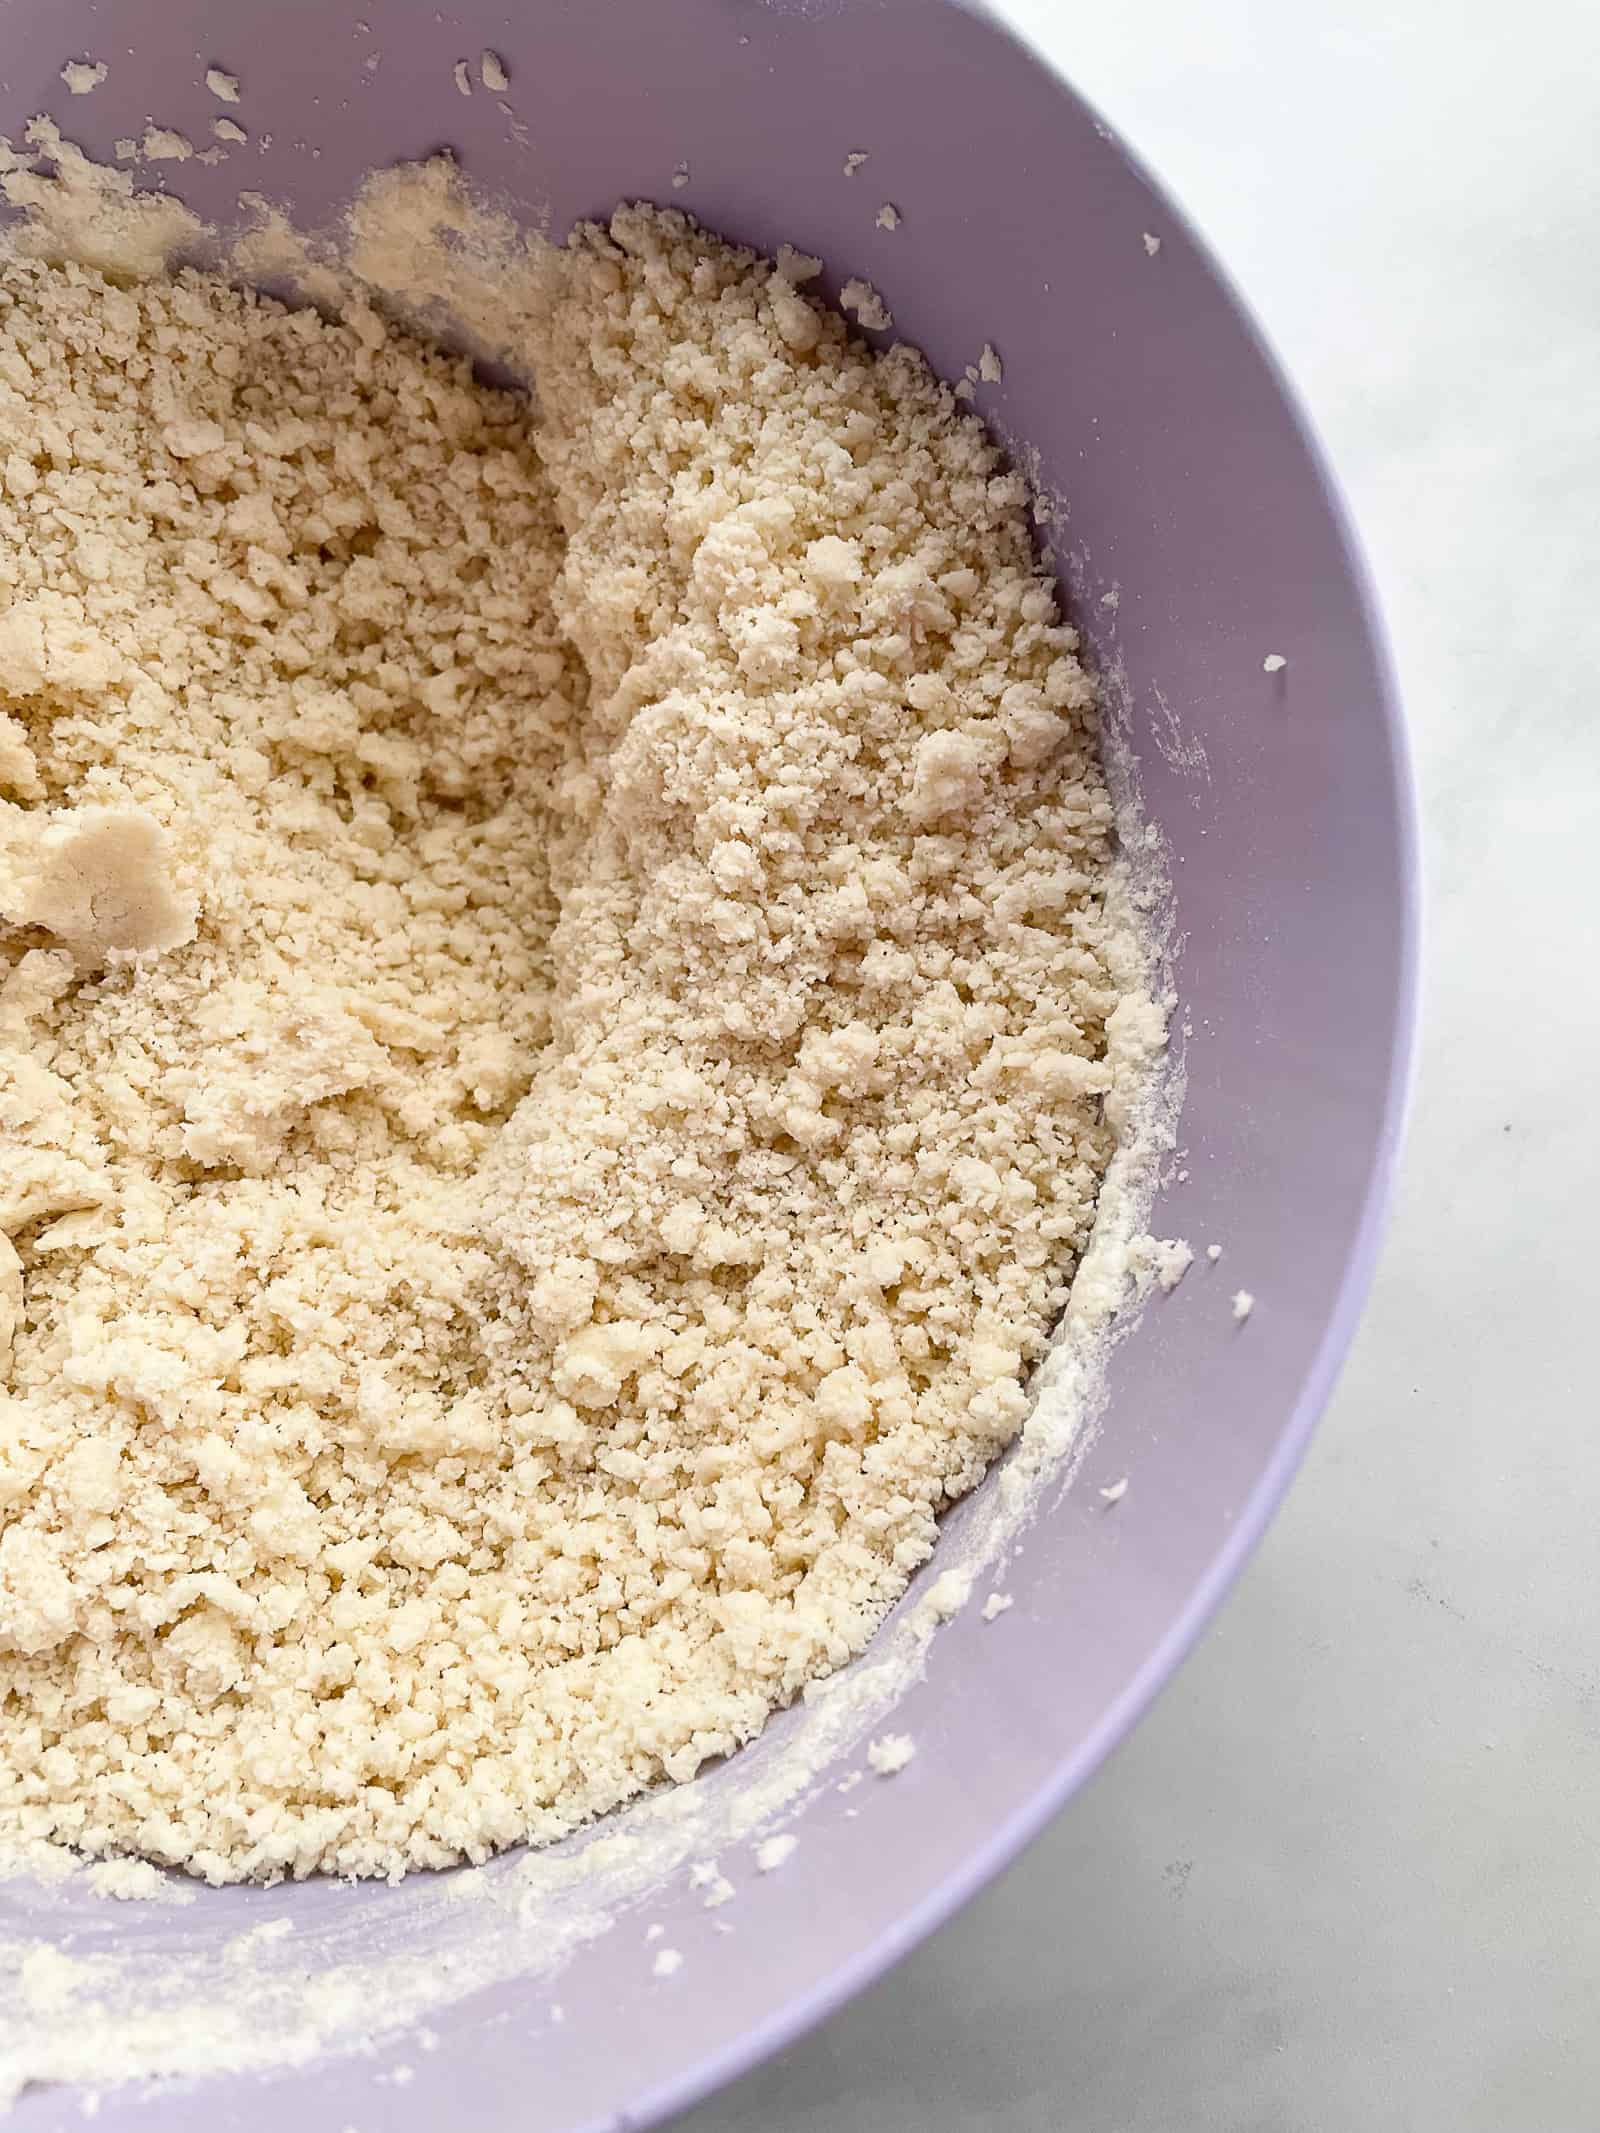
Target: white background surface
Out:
[1346,1877]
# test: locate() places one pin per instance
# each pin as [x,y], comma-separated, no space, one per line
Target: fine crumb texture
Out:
[1274,663]
[558,1040]
[864,303]
[890,1753]
[772,1852]
[82,76]
[492,72]
[1243,1304]
[225,87]
[888,216]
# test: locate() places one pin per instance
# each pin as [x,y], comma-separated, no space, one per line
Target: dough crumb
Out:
[493,73]
[854,160]
[797,267]
[888,216]
[162,145]
[773,1851]
[868,307]
[1116,1491]
[225,87]
[462,76]
[1152,244]
[890,1753]
[680,177]
[1111,599]
[1274,663]
[998,1603]
[1213,1253]
[1243,1304]
[135,1881]
[227,129]
[82,76]
[990,368]
[947,1595]
[668,1962]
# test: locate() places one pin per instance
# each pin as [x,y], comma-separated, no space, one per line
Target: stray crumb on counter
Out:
[226,129]
[1152,245]
[494,73]
[225,87]
[1116,1492]
[83,75]
[997,1604]
[1213,1253]
[888,216]
[1111,599]
[461,73]
[854,160]
[668,1962]
[1243,1304]
[1274,663]
[990,368]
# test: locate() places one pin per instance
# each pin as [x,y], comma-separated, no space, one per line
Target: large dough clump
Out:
[558,1040]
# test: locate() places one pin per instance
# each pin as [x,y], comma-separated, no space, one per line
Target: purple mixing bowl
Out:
[1195,491]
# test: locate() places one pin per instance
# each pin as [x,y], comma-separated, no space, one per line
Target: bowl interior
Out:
[1191,493]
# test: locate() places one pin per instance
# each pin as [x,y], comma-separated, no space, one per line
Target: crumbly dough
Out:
[557,1043]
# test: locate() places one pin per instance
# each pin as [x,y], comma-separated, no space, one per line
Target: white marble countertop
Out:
[1345,1878]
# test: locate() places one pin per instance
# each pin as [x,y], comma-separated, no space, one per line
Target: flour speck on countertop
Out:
[772,1852]
[1243,1304]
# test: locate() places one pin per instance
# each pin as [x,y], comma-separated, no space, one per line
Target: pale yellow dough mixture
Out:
[563,1015]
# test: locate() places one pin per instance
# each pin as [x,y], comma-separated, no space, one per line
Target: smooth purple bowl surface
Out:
[1196,491]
